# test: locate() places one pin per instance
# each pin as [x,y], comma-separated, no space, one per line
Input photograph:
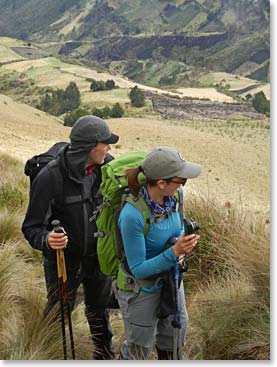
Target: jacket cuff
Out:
[45,242]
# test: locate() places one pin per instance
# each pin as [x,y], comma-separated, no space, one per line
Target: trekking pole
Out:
[63,294]
[176,323]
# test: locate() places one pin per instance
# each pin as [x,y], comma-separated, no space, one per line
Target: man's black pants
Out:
[98,297]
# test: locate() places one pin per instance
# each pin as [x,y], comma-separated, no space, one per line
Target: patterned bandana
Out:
[164,209]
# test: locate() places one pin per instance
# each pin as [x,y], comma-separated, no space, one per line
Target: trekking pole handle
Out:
[57,226]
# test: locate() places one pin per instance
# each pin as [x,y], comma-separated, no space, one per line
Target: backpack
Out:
[35,164]
[115,192]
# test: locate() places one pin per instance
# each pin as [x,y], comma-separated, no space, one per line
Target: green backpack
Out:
[115,193]
[113,189]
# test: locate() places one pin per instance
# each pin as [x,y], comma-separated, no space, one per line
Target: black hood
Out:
[76,159]
[85,134]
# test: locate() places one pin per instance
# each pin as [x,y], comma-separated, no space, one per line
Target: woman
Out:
[148,257]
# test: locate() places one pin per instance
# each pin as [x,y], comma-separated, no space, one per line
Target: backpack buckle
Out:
[129,280]
[99,234]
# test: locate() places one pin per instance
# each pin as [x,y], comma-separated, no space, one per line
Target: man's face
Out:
[98,154]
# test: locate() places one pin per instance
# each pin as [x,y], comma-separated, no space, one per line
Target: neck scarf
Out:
[164,208]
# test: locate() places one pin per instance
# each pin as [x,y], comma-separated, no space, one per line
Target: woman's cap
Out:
[167,162]
[92,129]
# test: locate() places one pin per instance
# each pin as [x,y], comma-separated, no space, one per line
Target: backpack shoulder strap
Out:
[179,196]
[57,179]
[142,207]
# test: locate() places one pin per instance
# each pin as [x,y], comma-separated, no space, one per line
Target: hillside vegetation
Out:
[32,78]
[228,278]
[231,152]
[158,43]
[53,73]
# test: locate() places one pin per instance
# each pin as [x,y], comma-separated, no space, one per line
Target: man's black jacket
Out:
[73,207]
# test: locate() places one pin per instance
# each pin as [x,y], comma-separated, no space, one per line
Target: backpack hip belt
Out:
[126,282]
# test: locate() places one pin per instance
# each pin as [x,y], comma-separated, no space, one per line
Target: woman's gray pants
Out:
[140,315]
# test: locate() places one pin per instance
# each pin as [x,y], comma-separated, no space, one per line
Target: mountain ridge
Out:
[218,35]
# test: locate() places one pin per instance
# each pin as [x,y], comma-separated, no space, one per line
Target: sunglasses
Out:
[180,182]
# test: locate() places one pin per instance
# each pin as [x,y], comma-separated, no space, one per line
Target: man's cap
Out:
[167,162]
[92,129]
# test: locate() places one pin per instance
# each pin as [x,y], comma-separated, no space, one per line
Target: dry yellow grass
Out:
[235,81]
[232,171]
[210,93]
[26,130]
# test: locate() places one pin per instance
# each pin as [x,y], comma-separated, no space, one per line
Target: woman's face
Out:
[169,188]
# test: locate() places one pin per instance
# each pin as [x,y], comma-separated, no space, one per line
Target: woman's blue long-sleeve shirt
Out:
[146,255]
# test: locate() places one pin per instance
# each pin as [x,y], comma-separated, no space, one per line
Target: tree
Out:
[260,103]
[61,101]
[106,112]
[97,85]
[94,85]
[110,84]
[98,112]
[72,95]
[137,97]
[71,117]
[46,103]
[117,111]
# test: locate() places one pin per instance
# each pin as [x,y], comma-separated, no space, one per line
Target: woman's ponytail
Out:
[132,178]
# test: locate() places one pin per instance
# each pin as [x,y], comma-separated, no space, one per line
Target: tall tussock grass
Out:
[9,225]
[13,184]
[25,334]
[228,284]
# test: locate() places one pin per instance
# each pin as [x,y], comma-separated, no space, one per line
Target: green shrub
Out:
[98,85]
[106,112]
[73,116]
[260,103]
[61,101]
[137,97]
[110,84]
[98,112]
[117,111]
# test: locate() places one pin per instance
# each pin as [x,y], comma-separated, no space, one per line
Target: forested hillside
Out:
[137,38]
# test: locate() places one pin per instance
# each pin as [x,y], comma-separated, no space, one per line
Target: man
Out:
[79,166]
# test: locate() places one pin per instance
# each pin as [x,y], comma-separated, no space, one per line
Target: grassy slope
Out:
[233,170]
[229,273]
